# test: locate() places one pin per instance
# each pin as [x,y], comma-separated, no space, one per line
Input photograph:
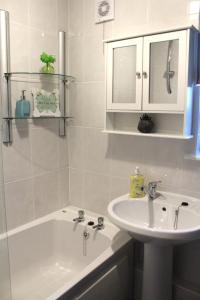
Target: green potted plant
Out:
[48,60]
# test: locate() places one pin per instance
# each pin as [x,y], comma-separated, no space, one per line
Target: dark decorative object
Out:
[145,124]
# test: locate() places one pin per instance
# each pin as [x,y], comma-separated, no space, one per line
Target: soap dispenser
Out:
[22,107]
[137,185]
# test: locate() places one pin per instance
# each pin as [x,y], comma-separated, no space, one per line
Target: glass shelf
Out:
[35,75]
[37,118]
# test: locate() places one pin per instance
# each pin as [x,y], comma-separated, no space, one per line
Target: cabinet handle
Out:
[138,74]
[145,74]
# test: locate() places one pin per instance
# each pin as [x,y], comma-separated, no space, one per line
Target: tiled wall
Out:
[36,164]
[100,164]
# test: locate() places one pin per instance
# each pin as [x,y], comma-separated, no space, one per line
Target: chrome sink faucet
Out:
[81,216]
[151,189]
[100,224]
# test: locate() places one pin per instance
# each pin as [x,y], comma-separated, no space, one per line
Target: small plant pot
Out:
[145,124]
[48,69]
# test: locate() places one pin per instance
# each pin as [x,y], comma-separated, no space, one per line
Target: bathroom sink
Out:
[159,224]
[153,221]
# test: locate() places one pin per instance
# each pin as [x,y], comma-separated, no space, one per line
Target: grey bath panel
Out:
[112,285]
[181,293]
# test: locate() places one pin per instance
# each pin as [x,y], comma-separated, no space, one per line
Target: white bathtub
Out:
[49,256]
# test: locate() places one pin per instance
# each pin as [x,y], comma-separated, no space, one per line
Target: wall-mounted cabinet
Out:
[154,74]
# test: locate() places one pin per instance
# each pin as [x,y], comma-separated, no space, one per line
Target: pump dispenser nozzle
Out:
[23,94]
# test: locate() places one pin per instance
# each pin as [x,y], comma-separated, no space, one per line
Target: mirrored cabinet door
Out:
[124,74]
[164,71]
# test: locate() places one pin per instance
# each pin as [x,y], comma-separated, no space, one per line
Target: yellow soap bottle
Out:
[136,185]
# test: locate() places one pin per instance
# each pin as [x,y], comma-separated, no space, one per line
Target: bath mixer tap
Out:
[80,217]
[100,224]
[151,189]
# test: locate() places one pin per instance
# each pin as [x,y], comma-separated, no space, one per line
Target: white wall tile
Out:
[76,105]
[165,15]
[119,186]
[18,13]
[96,192]
[76,187]
[127,153]
[189,177]
[76,147]
[93,58]
[87,104]
[63,187]
[97,158]
[19,203]
[62,15]
[19,47]
[2,209]
[63,155]
[17,157]
[46,194]
[93,104]
[5,292]
[76,57]
[45,151]
[131,17]
[76,17]
[43,15]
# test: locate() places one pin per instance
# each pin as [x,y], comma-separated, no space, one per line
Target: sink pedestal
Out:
[157,278]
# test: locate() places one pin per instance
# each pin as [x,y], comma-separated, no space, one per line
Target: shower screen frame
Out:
[5,280]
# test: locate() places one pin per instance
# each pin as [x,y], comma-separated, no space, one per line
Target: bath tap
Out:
[100,224]
[80,217]
[151,189]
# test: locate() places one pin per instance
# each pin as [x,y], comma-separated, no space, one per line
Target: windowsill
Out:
[192,157]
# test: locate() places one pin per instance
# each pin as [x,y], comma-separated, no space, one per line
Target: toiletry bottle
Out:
[136,185]
[22,107]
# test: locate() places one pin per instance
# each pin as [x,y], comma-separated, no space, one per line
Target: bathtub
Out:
[50,255]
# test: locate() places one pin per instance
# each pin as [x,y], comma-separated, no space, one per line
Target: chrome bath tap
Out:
[100,224]
[80,217]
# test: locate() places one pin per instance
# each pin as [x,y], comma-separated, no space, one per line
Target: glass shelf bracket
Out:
[62,91]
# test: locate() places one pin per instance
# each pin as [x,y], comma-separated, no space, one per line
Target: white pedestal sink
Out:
[152,222]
